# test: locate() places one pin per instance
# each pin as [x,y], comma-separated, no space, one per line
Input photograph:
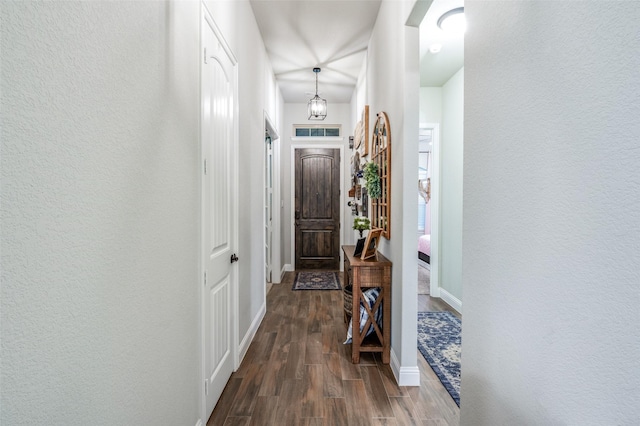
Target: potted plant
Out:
[361,224]
[372,180]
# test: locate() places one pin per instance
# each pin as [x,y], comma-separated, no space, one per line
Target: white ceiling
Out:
[333,35]
[437,68]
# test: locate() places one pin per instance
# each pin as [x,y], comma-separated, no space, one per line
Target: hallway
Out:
[298,372]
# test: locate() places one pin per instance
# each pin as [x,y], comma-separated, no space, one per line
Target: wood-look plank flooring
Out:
[298,372]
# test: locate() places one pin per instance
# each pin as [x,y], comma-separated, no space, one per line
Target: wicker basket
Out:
[348,299]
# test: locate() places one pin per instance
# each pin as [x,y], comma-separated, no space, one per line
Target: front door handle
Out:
[234,258]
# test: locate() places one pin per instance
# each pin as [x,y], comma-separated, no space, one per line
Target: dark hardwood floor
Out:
[298,372]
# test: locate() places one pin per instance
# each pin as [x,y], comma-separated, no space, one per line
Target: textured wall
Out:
[551,214]
[100,211]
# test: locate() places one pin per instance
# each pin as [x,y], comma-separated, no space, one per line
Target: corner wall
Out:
[392,79]
[551,214]
[100,212]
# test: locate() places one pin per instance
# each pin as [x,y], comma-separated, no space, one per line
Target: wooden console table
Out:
[363,274]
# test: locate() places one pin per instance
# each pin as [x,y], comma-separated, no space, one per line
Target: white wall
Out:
[297,114]
[100,213]
[551,214]
[392,86]
[101,205]
[431,105]
[451,166]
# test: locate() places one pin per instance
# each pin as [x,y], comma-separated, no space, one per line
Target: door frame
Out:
[315,143]
[434,284]
[205,14]
[276,212]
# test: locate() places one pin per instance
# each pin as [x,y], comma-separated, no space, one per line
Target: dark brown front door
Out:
[317,214]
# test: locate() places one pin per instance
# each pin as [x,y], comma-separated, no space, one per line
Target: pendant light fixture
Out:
[317,106]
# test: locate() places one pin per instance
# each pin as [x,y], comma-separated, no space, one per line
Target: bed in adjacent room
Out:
[424,248]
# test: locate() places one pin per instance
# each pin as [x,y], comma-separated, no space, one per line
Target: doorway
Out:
[429,204]
[268,206]
[317,208]
[271,203]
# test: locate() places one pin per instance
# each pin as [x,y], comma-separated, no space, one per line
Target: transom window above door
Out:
[322,131]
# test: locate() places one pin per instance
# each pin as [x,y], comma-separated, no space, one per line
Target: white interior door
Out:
[268,208]
[218,212]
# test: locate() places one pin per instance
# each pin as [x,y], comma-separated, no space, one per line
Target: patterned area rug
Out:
[439,343]
[317,280]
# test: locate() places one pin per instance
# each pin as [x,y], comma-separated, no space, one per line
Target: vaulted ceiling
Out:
[334,35]
[301,35]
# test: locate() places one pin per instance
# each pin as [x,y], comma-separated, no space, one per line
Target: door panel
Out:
[218,219]
[317,204]
[268,208]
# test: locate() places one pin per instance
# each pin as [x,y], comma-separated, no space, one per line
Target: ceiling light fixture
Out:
[453,21]
[435,48]
[317,106]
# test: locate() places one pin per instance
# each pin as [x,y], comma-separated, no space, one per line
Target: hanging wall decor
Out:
[364,126]
[381,156]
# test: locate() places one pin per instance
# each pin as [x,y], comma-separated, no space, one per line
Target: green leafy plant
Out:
[372,180]
[361,224]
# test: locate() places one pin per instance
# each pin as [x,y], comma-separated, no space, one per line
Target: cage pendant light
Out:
[317,107]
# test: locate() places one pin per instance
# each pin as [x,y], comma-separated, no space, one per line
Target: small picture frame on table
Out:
[359,247]
[371,244]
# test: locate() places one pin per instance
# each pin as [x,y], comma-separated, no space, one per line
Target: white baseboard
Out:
[405,376]
[424,264]
[288,268]
[248,338]
[283,271]
[275,278]
[451,300]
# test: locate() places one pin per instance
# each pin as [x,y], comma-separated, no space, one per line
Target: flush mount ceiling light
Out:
[317,106]
[453,21]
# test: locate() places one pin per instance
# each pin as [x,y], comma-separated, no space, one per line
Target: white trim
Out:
[251,333]
[343,192]
[317,139]
[434,285]
[216,30]
[451,300]
[235,296]
[424,265]
[283,271]
[199,422]
[287,268]
[202,400]
[276,211]
[277,240]
[405,376]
